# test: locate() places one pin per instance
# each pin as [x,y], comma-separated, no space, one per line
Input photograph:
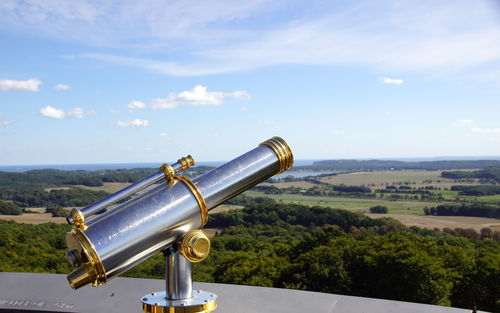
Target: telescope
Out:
[167,217]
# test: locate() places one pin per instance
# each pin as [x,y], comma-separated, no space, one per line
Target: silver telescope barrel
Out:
[122,237]
[165,171]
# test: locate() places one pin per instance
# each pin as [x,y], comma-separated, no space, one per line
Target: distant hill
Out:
[377,165]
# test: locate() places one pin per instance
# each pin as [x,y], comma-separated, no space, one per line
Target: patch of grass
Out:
[363,205]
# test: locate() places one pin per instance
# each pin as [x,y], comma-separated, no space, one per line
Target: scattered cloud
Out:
[137,122]
[462,123]
[391,81]
[52,112]
[4,122]
[485,130]
[163,134]
[136,105]
[62,87]
[198,96]
[337,132]
[243,109]
[32,84]
[219,36]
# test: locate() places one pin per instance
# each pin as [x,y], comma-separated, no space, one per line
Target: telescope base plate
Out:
[201,302]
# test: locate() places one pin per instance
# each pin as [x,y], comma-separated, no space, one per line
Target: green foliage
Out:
[492,173]
[33,248]
[309,248]
[9,208]
[27,189]
[474,209]
[346,188]
[380,209]
[477,191]
[57,211]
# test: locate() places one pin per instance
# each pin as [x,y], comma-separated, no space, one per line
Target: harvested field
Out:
[298,184]
[379,179]
[431,222]
[109,187]
[34,218]
[225,208]
[400,207]
[57,188]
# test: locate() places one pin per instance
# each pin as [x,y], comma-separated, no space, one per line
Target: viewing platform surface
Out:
[32,292]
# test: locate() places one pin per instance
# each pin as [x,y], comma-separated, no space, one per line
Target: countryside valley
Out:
[424,232]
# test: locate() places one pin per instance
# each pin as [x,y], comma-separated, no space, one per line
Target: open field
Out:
[40,217]
[108,187]
[431,222]
[225,208]
[363,205]
[380,179]
[33,218]
[298,184]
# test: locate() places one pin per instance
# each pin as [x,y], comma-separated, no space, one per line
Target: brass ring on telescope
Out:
[197,195]
[168,171]
[282,151]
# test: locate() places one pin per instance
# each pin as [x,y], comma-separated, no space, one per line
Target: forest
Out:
[492,173]
[28,189]
[473,209]
[309,248]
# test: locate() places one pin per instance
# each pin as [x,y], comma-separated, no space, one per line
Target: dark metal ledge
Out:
[29,292]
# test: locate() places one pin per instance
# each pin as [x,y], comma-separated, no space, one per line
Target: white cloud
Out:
[337,132]
[4,122]
[198,96]
[220,36]
[136,105]
[62,87]
[485,130]
[32,84]
[76,113]
[163,134]
[392,81]
[462,123]
[52,112]
[137,122]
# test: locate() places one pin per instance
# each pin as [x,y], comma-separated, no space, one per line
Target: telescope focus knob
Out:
[195,246]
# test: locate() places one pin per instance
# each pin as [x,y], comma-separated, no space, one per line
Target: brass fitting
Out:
[168,171]
[77,217]
[195,246]
[186,162]
[82,252]
[282,151]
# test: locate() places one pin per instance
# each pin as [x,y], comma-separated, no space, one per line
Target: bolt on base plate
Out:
[201,302]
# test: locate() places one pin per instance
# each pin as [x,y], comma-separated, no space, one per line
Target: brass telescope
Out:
[166,218]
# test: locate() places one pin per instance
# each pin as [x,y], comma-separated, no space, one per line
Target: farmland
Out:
[415,178]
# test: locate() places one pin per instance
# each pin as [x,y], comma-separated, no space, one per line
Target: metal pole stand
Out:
[179,295]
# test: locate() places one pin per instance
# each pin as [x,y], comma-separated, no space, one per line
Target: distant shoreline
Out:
[110,166]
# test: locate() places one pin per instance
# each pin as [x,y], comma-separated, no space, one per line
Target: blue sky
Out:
[149,81]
